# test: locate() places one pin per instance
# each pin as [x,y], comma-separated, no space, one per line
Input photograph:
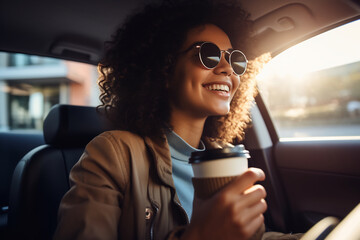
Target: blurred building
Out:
[31,85]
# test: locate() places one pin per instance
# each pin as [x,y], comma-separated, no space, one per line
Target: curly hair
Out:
[141,57]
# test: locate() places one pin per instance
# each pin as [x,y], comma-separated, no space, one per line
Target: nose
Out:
[223,67]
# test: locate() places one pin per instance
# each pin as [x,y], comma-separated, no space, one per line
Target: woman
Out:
[171,84]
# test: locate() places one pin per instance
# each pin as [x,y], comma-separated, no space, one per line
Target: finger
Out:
[249,214]
[252,196]
[254,225]
[258,171]
[255,188]
[245,180]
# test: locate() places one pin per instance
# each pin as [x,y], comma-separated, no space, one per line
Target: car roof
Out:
[76,30]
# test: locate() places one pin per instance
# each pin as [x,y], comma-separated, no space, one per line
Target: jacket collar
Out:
[159,148]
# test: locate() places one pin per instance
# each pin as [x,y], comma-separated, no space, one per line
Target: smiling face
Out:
[195,90]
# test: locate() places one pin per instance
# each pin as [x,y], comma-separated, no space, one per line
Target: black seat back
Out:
[40,179]
[13,146]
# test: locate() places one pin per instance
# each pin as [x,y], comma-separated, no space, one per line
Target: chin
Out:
[221,112]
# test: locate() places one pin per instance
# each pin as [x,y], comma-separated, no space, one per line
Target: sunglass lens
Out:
[238,62]
[210,55]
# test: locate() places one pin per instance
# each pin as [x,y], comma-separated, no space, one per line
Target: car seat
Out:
[40,179]
[13,146]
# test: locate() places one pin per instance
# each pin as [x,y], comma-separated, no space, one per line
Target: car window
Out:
[313,89]
[31,85]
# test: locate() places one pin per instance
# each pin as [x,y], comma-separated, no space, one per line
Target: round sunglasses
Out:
[210,56]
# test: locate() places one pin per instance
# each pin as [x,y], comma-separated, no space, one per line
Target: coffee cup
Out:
[215,168]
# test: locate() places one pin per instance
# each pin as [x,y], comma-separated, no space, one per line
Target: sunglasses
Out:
[210,56]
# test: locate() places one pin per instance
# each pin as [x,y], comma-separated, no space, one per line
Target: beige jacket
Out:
[121,188]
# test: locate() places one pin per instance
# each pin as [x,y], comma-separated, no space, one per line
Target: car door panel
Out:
[319,178]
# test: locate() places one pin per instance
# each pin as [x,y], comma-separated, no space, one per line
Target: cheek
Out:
[190,79]
[180,84]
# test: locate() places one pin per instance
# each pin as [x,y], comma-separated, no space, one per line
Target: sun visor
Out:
[77,49]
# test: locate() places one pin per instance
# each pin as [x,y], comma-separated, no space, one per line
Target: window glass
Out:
[31,85]
[313,88]
[18,59]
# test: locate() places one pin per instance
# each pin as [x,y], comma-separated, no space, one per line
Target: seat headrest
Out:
[73,126]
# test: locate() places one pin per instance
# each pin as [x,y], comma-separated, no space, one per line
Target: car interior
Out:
[312,184]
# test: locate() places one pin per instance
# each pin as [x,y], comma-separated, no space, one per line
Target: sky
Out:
[333,48]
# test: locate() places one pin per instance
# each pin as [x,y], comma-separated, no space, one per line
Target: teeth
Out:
[218,87]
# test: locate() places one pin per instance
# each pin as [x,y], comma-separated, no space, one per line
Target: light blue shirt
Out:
[182,172]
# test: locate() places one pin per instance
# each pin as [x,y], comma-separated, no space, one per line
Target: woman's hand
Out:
[236,212]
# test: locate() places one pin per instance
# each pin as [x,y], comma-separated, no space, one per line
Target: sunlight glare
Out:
[317,53]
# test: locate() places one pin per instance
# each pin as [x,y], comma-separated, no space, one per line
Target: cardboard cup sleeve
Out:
[207,187]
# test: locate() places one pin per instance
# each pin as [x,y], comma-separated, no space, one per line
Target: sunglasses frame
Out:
[200,44]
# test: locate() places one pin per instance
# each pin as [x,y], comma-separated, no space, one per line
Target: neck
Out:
[188,128]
